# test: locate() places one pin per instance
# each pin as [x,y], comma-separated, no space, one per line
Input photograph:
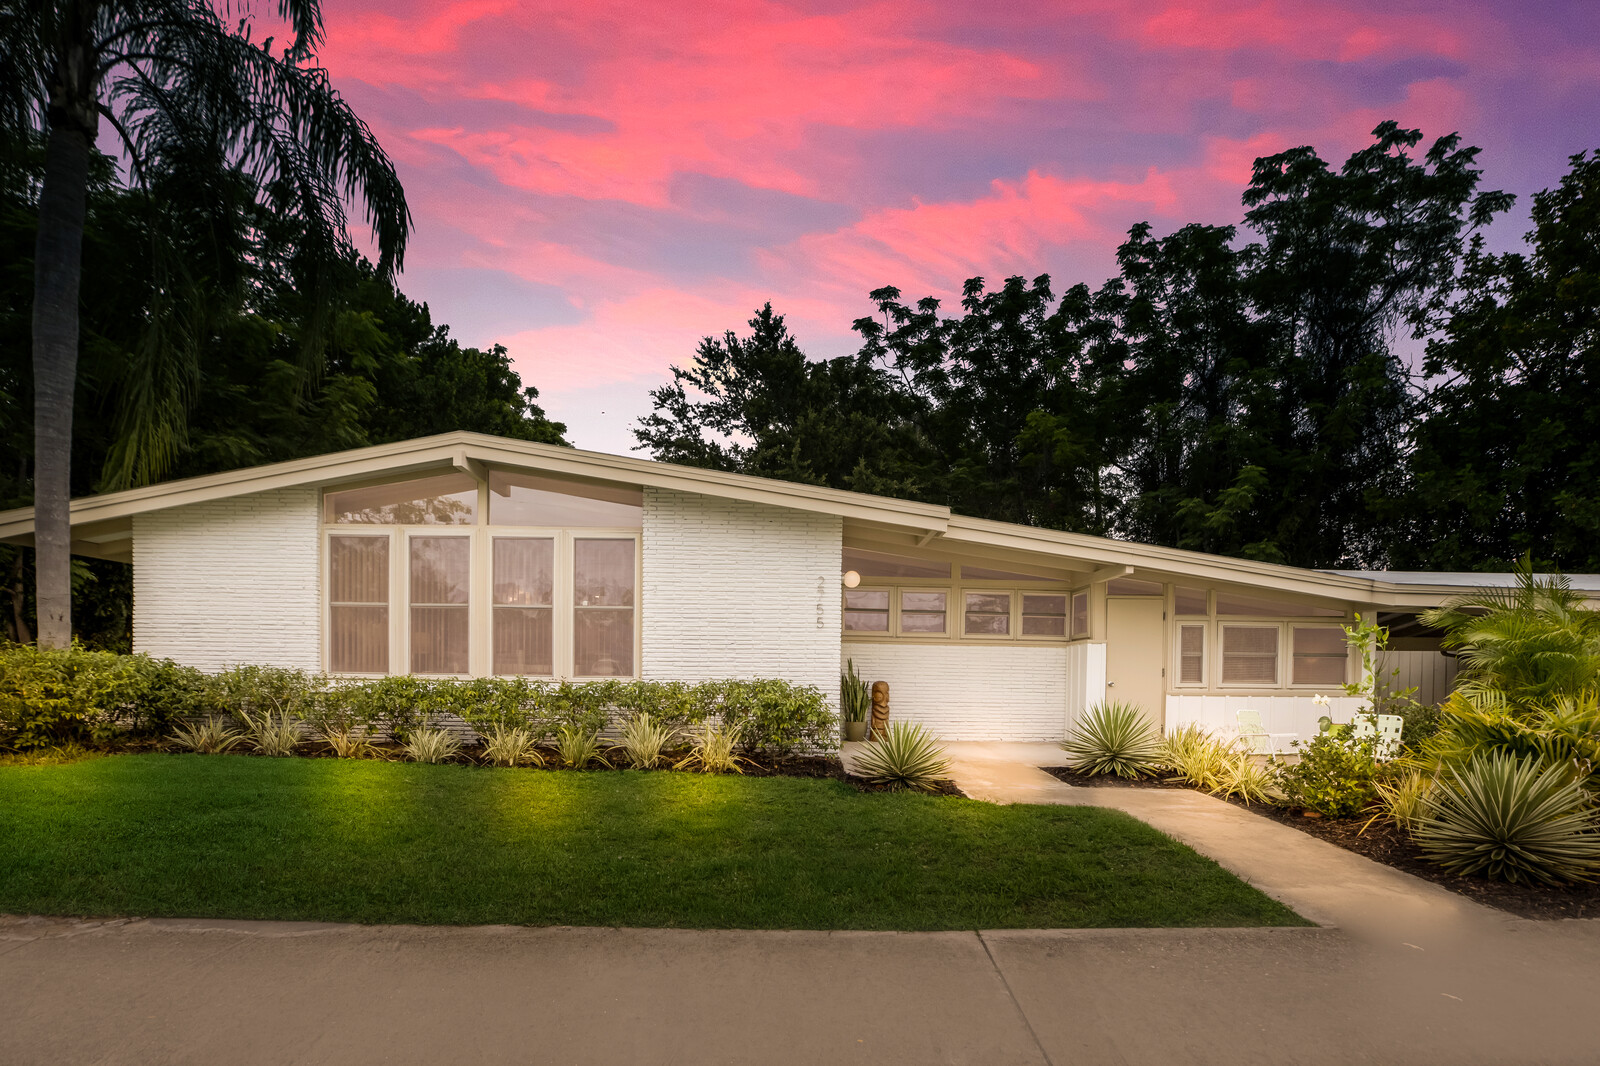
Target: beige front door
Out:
[1134,641]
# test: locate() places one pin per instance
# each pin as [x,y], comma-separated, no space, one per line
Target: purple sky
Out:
[599,185]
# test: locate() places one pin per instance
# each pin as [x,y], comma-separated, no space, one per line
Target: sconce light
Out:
[851,579]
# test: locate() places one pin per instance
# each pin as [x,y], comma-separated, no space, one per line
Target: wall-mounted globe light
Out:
[851,579]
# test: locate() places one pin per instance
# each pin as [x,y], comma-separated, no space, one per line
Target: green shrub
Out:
[906,756]
[643,739]
[50,697]
[429,745]
[1512,819]
[336,711]
[1113,738]
[577,746]
[1334,776]
[401,704]
[209,736]
[714,749]
[510,745]
[674,705]
[773,716]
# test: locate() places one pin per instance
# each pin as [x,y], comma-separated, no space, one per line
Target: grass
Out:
[365,841]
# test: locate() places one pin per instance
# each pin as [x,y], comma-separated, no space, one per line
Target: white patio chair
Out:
[1387,729]
[1254,736]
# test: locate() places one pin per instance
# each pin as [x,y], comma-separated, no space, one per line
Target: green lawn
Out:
[324,839]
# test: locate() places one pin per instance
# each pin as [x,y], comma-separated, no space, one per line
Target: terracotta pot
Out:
[855,730]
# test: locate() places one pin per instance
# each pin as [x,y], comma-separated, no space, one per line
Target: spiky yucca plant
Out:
[210,737]
[906,756]
[1194,755]
[272,734]
[1512,819]
[713,750]
[1113,738]
[643,739]
[431,745]
[347,742]
[510,745]
[577,747]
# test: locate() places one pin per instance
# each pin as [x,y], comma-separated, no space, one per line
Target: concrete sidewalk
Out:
[246,993]
[1318,880]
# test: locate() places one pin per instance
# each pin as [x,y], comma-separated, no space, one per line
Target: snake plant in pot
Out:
[854,702]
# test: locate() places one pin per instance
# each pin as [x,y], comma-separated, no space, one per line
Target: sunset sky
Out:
[598,185]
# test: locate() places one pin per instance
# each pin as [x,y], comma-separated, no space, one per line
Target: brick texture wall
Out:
[230,581]
[739,590]
[971,692]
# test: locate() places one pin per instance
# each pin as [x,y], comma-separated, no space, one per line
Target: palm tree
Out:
[173,81]
[1524,645]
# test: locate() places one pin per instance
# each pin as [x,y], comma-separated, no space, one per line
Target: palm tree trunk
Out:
[57,266]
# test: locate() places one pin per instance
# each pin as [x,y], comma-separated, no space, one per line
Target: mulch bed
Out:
[1386,843]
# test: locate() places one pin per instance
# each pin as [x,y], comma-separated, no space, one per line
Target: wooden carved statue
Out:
[880,710]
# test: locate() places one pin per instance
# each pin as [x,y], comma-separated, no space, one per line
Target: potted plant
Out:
[854,702]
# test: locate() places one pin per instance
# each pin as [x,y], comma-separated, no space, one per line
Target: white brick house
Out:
[466,555]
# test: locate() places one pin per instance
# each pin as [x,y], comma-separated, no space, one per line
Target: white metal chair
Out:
[1254,736]
[1387,729]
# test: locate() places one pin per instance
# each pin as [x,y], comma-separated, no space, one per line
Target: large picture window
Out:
[512,575]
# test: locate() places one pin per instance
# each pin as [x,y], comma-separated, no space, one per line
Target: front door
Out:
[1134,629]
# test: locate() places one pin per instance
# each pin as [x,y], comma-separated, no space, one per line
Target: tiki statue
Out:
[880,710]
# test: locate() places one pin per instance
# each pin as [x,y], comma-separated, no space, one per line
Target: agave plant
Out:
[576,746]
[431,745]
[511,745]
[643,739]
[713,750]
[1512,818]
[1113,738]
[209,737]
[907,756]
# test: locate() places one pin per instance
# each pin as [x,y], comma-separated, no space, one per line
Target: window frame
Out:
[1277,681]
[1047,638]
[480,584]
[897,607]
[1204,626]
[1014,605]
[1290,682]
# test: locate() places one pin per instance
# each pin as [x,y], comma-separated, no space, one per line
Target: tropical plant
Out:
[714,749]
[906,756]
[1556,730]
[1242,774]
[1378,689]
[431,745]
[271,734]
[347,742]
[577,746]
[1334,775]
[643,739]
[209,736]
[1404,800]
[1513,819]
[1195,755]
[1113,738]
[854,698]
[511,745]
[184,91]
[1534,641]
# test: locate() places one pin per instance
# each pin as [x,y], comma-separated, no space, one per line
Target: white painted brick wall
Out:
[971,691]
[739,590]
[230,581]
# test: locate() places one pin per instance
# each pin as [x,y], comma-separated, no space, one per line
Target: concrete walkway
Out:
[255,992]
[1318,880]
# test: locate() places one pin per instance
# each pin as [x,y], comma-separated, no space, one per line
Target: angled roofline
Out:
[102,524]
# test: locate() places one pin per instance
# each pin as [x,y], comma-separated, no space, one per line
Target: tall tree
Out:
[183,91]
[1508,459]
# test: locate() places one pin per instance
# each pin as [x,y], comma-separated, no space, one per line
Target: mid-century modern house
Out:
[465,555]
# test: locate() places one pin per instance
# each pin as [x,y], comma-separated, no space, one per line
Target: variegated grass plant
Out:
[210,736]
[1403,800]
[1219,767]
[906,756]
[348,741]
[1512,819]
[577,746]
[1113,738]
[644,739]
[713,750]
[277,735]
[511,745]
[431,745]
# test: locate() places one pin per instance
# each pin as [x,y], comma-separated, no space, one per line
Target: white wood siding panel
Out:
[972,692]
[1086,679]
[231,581]
[739,590]
[1432,674]
[1279,714]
